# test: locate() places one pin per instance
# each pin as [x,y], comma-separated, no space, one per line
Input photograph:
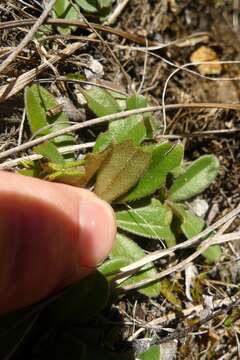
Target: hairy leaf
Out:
[166,289]
[89,6]
[38,101]
[191,224]
[15,329]
[50,151]
[127,250]
[93,162]
[121,171]
[69,172]
[112,265]
[100,101]
[69,176]
[104,3]
[131,128]
[153,353]
[152,221]
[36,113]
[197,177]
[213,254]
[63,9]
[165,157]
[136,101]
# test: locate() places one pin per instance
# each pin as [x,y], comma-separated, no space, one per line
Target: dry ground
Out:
[215,24]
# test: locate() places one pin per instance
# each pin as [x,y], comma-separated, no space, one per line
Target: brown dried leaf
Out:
[204,53]
[121,171]
[93,164]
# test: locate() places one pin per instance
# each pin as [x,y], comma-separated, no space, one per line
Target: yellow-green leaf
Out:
[213,254]
[121,171]
[153,353]
[50,151]
[104,3]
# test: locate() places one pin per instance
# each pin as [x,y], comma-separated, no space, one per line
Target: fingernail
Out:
[97,230]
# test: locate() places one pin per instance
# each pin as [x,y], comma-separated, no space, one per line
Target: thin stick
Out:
[98,35]
[194,310]
[132,268]
[116,13]
[180,266]
[63,150]
[21,128]
[106,29]
[112,117]
[26,78]
[179,68]
[28,37]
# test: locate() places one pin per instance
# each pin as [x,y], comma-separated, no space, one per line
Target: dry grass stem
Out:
[28,36]
[113,117]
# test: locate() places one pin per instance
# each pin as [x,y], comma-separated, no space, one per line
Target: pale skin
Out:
[51,235]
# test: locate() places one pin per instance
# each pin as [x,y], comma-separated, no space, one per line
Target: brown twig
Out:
[106,29]
[191,311]
[16,85]
[28,37]
[185,332]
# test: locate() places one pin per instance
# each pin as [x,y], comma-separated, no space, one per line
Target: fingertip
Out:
[97,230]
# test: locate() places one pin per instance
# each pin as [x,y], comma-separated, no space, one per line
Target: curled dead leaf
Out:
[205,53]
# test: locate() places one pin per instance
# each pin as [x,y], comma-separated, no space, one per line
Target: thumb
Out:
[50,236]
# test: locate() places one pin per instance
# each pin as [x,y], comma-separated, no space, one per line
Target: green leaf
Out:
[191,224]
[112,265]
[127,250]
[69,172]
[71,176]
[36,113]
[165,158]
[121,171]
[100,101]
[89,6]
[197,177]
[166,289]
[104,3]
[63,9]
[38,101]
[79,302]
[151,221]
[136,101]
[131,128]
[50,151]
[153,353]
[213,254]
